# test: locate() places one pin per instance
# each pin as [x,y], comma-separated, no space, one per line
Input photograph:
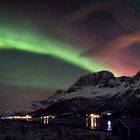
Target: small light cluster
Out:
[17,117]
[91,120]
[46,118]
[94,115]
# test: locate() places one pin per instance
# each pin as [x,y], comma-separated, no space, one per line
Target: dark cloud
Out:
[134,50]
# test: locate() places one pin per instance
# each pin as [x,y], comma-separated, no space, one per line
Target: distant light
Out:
[10,117]
[46,118]
[94,116]
[22,117]
[18,117]
[3,118]
[91,115]
[53,117]
[109,113]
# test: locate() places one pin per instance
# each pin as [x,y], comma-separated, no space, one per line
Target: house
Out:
[126,129]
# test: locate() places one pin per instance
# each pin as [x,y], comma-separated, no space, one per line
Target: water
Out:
[96,122]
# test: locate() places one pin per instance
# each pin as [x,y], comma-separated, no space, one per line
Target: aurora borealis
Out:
[47,45]
[12,40]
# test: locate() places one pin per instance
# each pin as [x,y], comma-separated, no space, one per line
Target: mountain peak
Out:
[105,74]
[95,78]
[138,74]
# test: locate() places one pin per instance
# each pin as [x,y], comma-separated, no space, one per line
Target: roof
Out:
[130,123]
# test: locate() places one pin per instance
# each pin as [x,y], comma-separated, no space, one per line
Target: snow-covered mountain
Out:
[99,91]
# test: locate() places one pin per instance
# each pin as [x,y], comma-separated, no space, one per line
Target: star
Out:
[132,10]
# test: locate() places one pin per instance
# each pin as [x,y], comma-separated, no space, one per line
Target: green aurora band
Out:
[10,39]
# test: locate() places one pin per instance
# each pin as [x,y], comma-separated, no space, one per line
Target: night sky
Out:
[47,45]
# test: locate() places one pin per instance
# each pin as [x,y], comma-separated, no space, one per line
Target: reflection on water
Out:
[109,126]
[91,120]
[94,121]
[86,120]
[45,119]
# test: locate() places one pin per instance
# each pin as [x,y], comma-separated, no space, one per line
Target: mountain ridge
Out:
[100,91]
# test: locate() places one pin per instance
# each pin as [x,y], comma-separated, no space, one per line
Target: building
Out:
[126,129]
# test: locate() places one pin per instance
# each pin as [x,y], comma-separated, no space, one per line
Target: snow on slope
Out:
[102,88]
[98,89]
